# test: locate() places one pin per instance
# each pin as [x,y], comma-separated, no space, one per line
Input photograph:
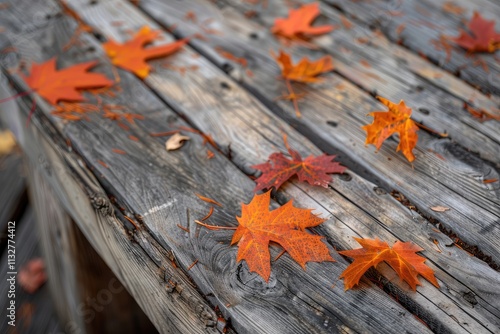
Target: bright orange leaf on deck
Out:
[313,170]
[132,55]
[386,123]
[402,257]
[298,24]
[64,85]
[482,37]
[286,226]
[305,70]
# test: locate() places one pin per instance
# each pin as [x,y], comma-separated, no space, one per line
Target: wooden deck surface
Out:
[237,106]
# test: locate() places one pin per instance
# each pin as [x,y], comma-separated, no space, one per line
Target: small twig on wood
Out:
[192,264]
[215,227]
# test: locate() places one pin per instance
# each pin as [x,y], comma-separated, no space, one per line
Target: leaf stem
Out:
[431,130]
[293,97]
[215,227]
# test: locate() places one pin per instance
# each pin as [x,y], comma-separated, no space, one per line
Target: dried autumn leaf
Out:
[132,55]
[401,257]
[439,208]
[313,170]
[483,37]
[298,23]
[63,85]
[175,142]
[386,123]
[32,275]
[304,71]
[7,142]
[286,226]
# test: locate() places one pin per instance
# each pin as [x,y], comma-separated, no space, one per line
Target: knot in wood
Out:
[208,316]
[101,203]
[470,297]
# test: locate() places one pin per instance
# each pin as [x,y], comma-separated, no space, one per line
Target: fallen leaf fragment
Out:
[482,36]
[32,275]
[402,257]
[483,115]
[452,8]
[175,142]
[229,56]
[132,55]
[286,226]
[64,85]
[7,142]
[298,23]
[395,120]
[313,170]
[439,208]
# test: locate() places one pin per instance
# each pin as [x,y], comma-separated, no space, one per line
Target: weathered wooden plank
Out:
[424,22]
[164,196]
[373,63]
[34,312]
[443,173]
[78,276]
[81,194]
[220,112]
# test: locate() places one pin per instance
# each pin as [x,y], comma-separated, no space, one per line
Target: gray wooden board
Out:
[35,312]
[383,68]
[161,187]
[86,294]
[63,173]
[219,111]
[443,174]
[424,22]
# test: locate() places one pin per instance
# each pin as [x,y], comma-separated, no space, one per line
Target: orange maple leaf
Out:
[298,23]
[64,85]
[484,38]
[386,123]
[286,226]
[401,257]
[313,170]
[132,55]
[304,71]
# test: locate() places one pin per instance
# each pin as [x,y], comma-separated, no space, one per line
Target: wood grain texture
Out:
[382,68]
[424,22]
[333,115]
[81,195]
[163,193]
[219,112]
[35,312]
[78,276]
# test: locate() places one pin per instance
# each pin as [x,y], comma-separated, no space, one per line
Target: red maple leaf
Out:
[484,38]
[64,85]
[313,170]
